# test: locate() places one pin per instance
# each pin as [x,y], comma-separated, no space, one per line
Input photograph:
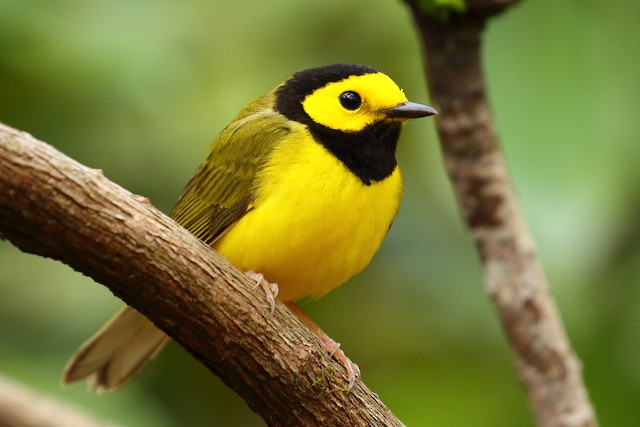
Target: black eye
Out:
[350,100]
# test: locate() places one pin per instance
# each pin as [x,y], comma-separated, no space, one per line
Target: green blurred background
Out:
[138,89]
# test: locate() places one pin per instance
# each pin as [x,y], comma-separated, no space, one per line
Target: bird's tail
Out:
[116,353]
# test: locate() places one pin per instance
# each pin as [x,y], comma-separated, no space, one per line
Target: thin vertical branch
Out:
[514,278]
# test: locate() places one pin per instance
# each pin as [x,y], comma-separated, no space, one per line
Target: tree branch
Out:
[514,277]
[53,206]
[21,407]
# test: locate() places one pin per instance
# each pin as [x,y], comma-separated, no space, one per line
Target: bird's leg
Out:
[332,347]
[270,289]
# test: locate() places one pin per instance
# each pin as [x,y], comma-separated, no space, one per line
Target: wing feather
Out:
[223,188]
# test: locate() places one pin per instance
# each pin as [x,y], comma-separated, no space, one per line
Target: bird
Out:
[298,190]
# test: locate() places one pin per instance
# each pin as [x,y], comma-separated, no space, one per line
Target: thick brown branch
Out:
[52,206]
[514,277]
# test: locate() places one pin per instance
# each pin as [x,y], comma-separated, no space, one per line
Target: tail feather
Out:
[116,353]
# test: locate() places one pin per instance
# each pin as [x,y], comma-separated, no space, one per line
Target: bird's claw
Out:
[270,289]
[333,347]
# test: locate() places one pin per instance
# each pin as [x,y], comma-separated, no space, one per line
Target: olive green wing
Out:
[223,188]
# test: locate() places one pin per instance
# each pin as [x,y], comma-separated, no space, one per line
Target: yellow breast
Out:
[314,224]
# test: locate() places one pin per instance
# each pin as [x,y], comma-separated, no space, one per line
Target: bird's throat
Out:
[368,154]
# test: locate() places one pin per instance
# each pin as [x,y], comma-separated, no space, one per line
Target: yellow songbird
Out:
[299,190]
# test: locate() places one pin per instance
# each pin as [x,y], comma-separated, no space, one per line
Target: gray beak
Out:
[409,110]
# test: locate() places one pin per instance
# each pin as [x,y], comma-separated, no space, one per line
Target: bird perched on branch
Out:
[298,190]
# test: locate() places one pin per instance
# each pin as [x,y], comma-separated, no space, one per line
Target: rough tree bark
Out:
[451,36]
[53,206]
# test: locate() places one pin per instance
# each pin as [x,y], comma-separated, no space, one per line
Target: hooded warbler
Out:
[299,189]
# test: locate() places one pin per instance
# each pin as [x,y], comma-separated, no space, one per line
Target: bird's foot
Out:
[332,347]
[270,289]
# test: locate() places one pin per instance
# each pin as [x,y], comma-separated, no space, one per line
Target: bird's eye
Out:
[350,100]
